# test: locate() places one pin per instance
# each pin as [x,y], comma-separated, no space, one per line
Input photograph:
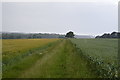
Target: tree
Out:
[112,35]
[106,35]
[70,35]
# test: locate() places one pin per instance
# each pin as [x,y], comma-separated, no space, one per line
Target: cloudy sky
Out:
[82,17]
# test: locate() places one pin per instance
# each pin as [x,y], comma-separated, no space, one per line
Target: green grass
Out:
[14,71]
[67,58]
[62,61]
[104,49]
[101,53]
[22,63]
[15,49]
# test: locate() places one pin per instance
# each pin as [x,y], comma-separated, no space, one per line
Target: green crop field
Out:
[102,53]
[59,58]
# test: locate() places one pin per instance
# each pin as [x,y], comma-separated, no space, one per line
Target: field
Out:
[59,58]
[102,53]
[17,47]
[14,50]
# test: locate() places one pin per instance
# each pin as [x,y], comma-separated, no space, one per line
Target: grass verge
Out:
[22,63]
[62,61]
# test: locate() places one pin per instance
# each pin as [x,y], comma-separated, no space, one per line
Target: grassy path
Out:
[60,61]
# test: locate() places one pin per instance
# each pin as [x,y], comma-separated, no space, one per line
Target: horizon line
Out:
[54,33]
[44,33]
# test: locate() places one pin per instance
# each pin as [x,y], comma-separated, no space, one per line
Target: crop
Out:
[20,54]
[101,55]
[16,49]
[13,46]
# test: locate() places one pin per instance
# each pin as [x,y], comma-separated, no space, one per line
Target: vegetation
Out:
[14,47]
[15,50]
[20,64]
[101,55]
[60,58]
[112,35]
[70,35]
[8,35]
[62,62]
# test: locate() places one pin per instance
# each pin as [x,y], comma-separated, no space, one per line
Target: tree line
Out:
[108,35]
[9,35]
[6,35]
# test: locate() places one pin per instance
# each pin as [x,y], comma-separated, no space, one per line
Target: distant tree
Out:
[70,35]
[98,37]
[112,35]
[8,35]
[106,35]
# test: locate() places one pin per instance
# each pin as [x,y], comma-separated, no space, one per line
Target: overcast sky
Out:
[90,18]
